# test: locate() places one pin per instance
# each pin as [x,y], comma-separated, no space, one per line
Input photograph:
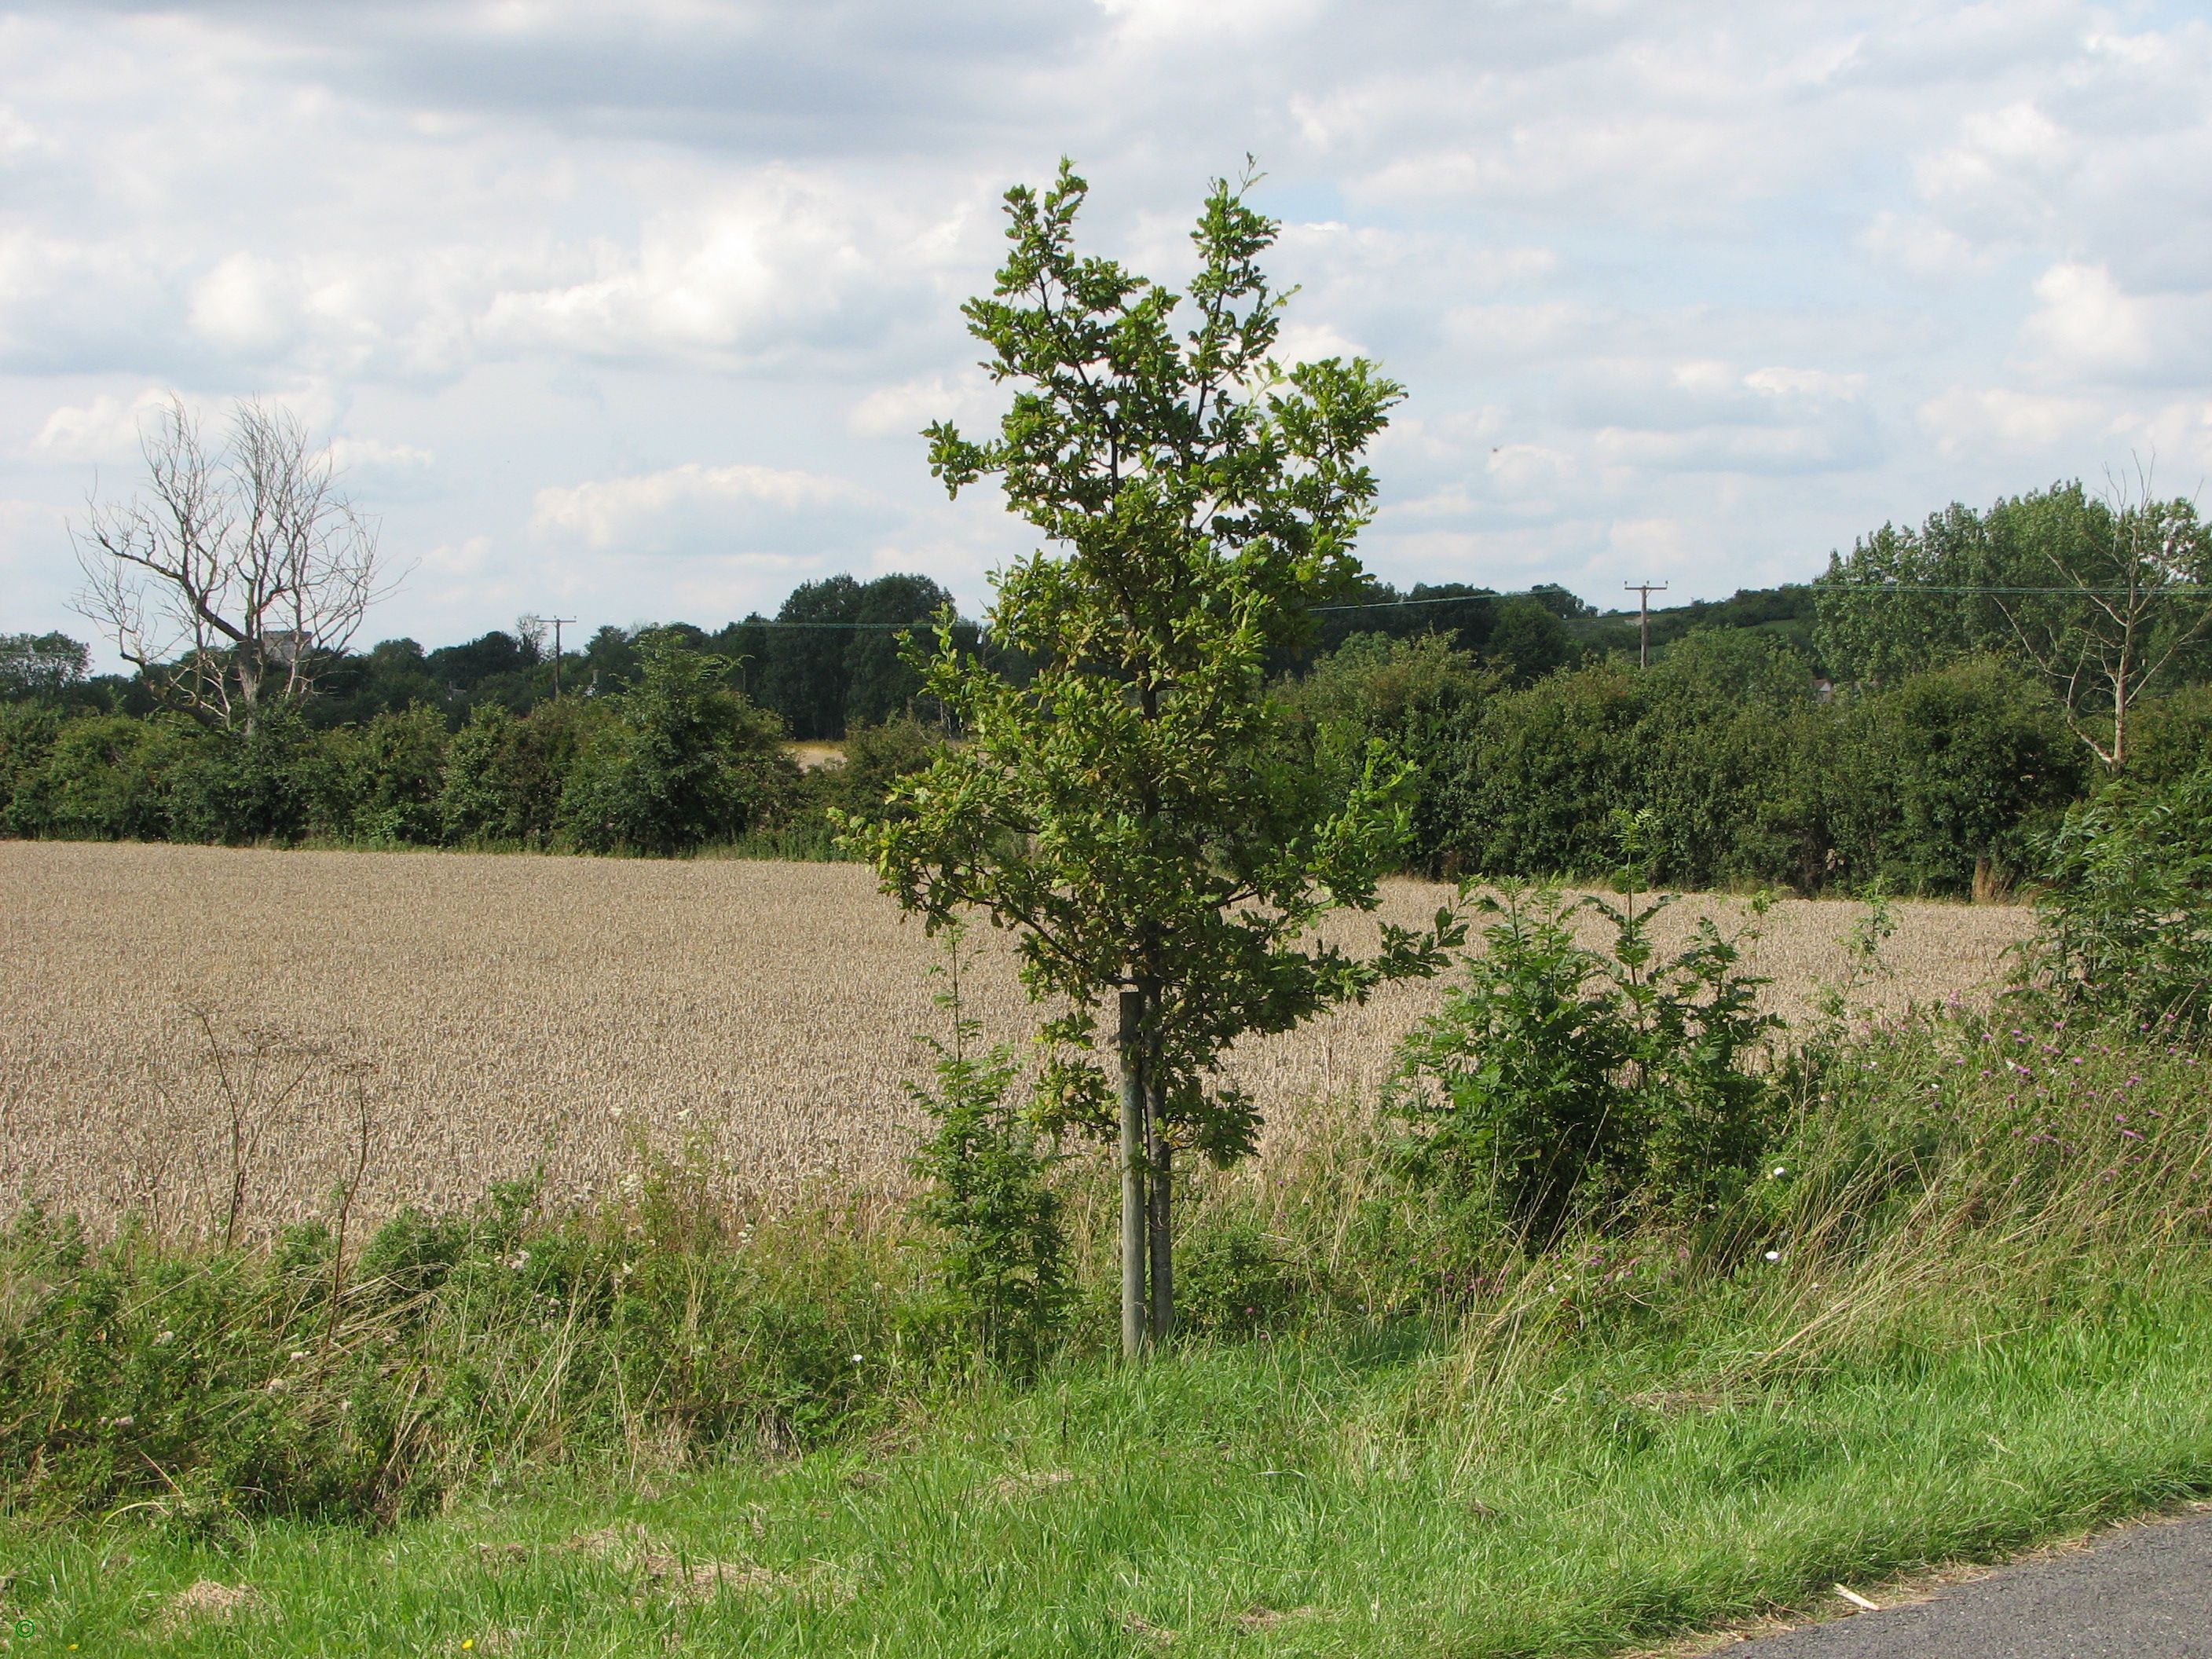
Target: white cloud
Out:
[373,454]
[1997,150]
[1528,469]
[1818,383]
[1310,341]
[1923,247]
[1653,544]
[736,507]
[107,429]
[246,305]
[38,569]
[1730,449]
[1656,154]
[18,138]
[2087,328]
[1964,420]
[1510,331]
[781,267]
[1180,23]
[969,401]
[1760,275]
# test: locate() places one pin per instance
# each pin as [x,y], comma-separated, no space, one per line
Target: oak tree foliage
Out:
[1130,808]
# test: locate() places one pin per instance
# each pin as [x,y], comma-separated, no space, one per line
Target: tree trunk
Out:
[2120,717]
[1136,1210]
[1160,1169]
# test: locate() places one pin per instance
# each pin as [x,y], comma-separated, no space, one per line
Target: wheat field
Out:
[218,1038]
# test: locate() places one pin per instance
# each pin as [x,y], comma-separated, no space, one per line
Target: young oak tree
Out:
[1134,809]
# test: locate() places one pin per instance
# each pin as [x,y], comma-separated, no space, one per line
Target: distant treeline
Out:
[1744,771]
[1894,722]
[829,659]
[676,759]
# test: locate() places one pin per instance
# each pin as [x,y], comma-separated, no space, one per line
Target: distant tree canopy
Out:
[833,657]
[40,665]
[2105,601]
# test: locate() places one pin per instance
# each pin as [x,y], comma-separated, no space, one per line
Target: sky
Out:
[632,312]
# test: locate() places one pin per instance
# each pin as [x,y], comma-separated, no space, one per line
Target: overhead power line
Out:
[2180,590]
[2186,592]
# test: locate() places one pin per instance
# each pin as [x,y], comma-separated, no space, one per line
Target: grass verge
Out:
[1322,1499]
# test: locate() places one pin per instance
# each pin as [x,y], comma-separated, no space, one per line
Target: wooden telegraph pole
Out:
[1643,591]
[556,621]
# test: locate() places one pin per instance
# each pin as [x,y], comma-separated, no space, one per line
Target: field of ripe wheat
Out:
[219,1038]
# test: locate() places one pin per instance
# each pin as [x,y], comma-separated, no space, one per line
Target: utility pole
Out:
[556,621]
[1643,591]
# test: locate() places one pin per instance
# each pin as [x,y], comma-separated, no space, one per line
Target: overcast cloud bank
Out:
[634,312]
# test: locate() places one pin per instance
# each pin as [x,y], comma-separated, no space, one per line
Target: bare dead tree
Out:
[236,576]
[2128,601]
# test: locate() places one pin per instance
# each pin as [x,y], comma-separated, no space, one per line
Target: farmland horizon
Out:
[513,1011]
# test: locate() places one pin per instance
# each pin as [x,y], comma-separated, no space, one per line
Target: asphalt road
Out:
[2143,1593]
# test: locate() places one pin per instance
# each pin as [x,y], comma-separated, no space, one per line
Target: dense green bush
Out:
[505,774]
[2171,735]
[676,762]
[1748,774]
[1560,1082]
[1720,742]
[1530,782]
[876,757]
[1954,769]
[685,761]
[2127,914]
[1409,694]
[382,781]
[91,779]
[27,732]
[1729,764]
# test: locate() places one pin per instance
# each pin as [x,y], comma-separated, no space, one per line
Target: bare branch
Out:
[233,579]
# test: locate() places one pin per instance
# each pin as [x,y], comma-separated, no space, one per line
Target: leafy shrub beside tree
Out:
[1559,1082]
[2127,916]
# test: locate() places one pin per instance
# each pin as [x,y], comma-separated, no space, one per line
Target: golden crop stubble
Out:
[524,1012]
